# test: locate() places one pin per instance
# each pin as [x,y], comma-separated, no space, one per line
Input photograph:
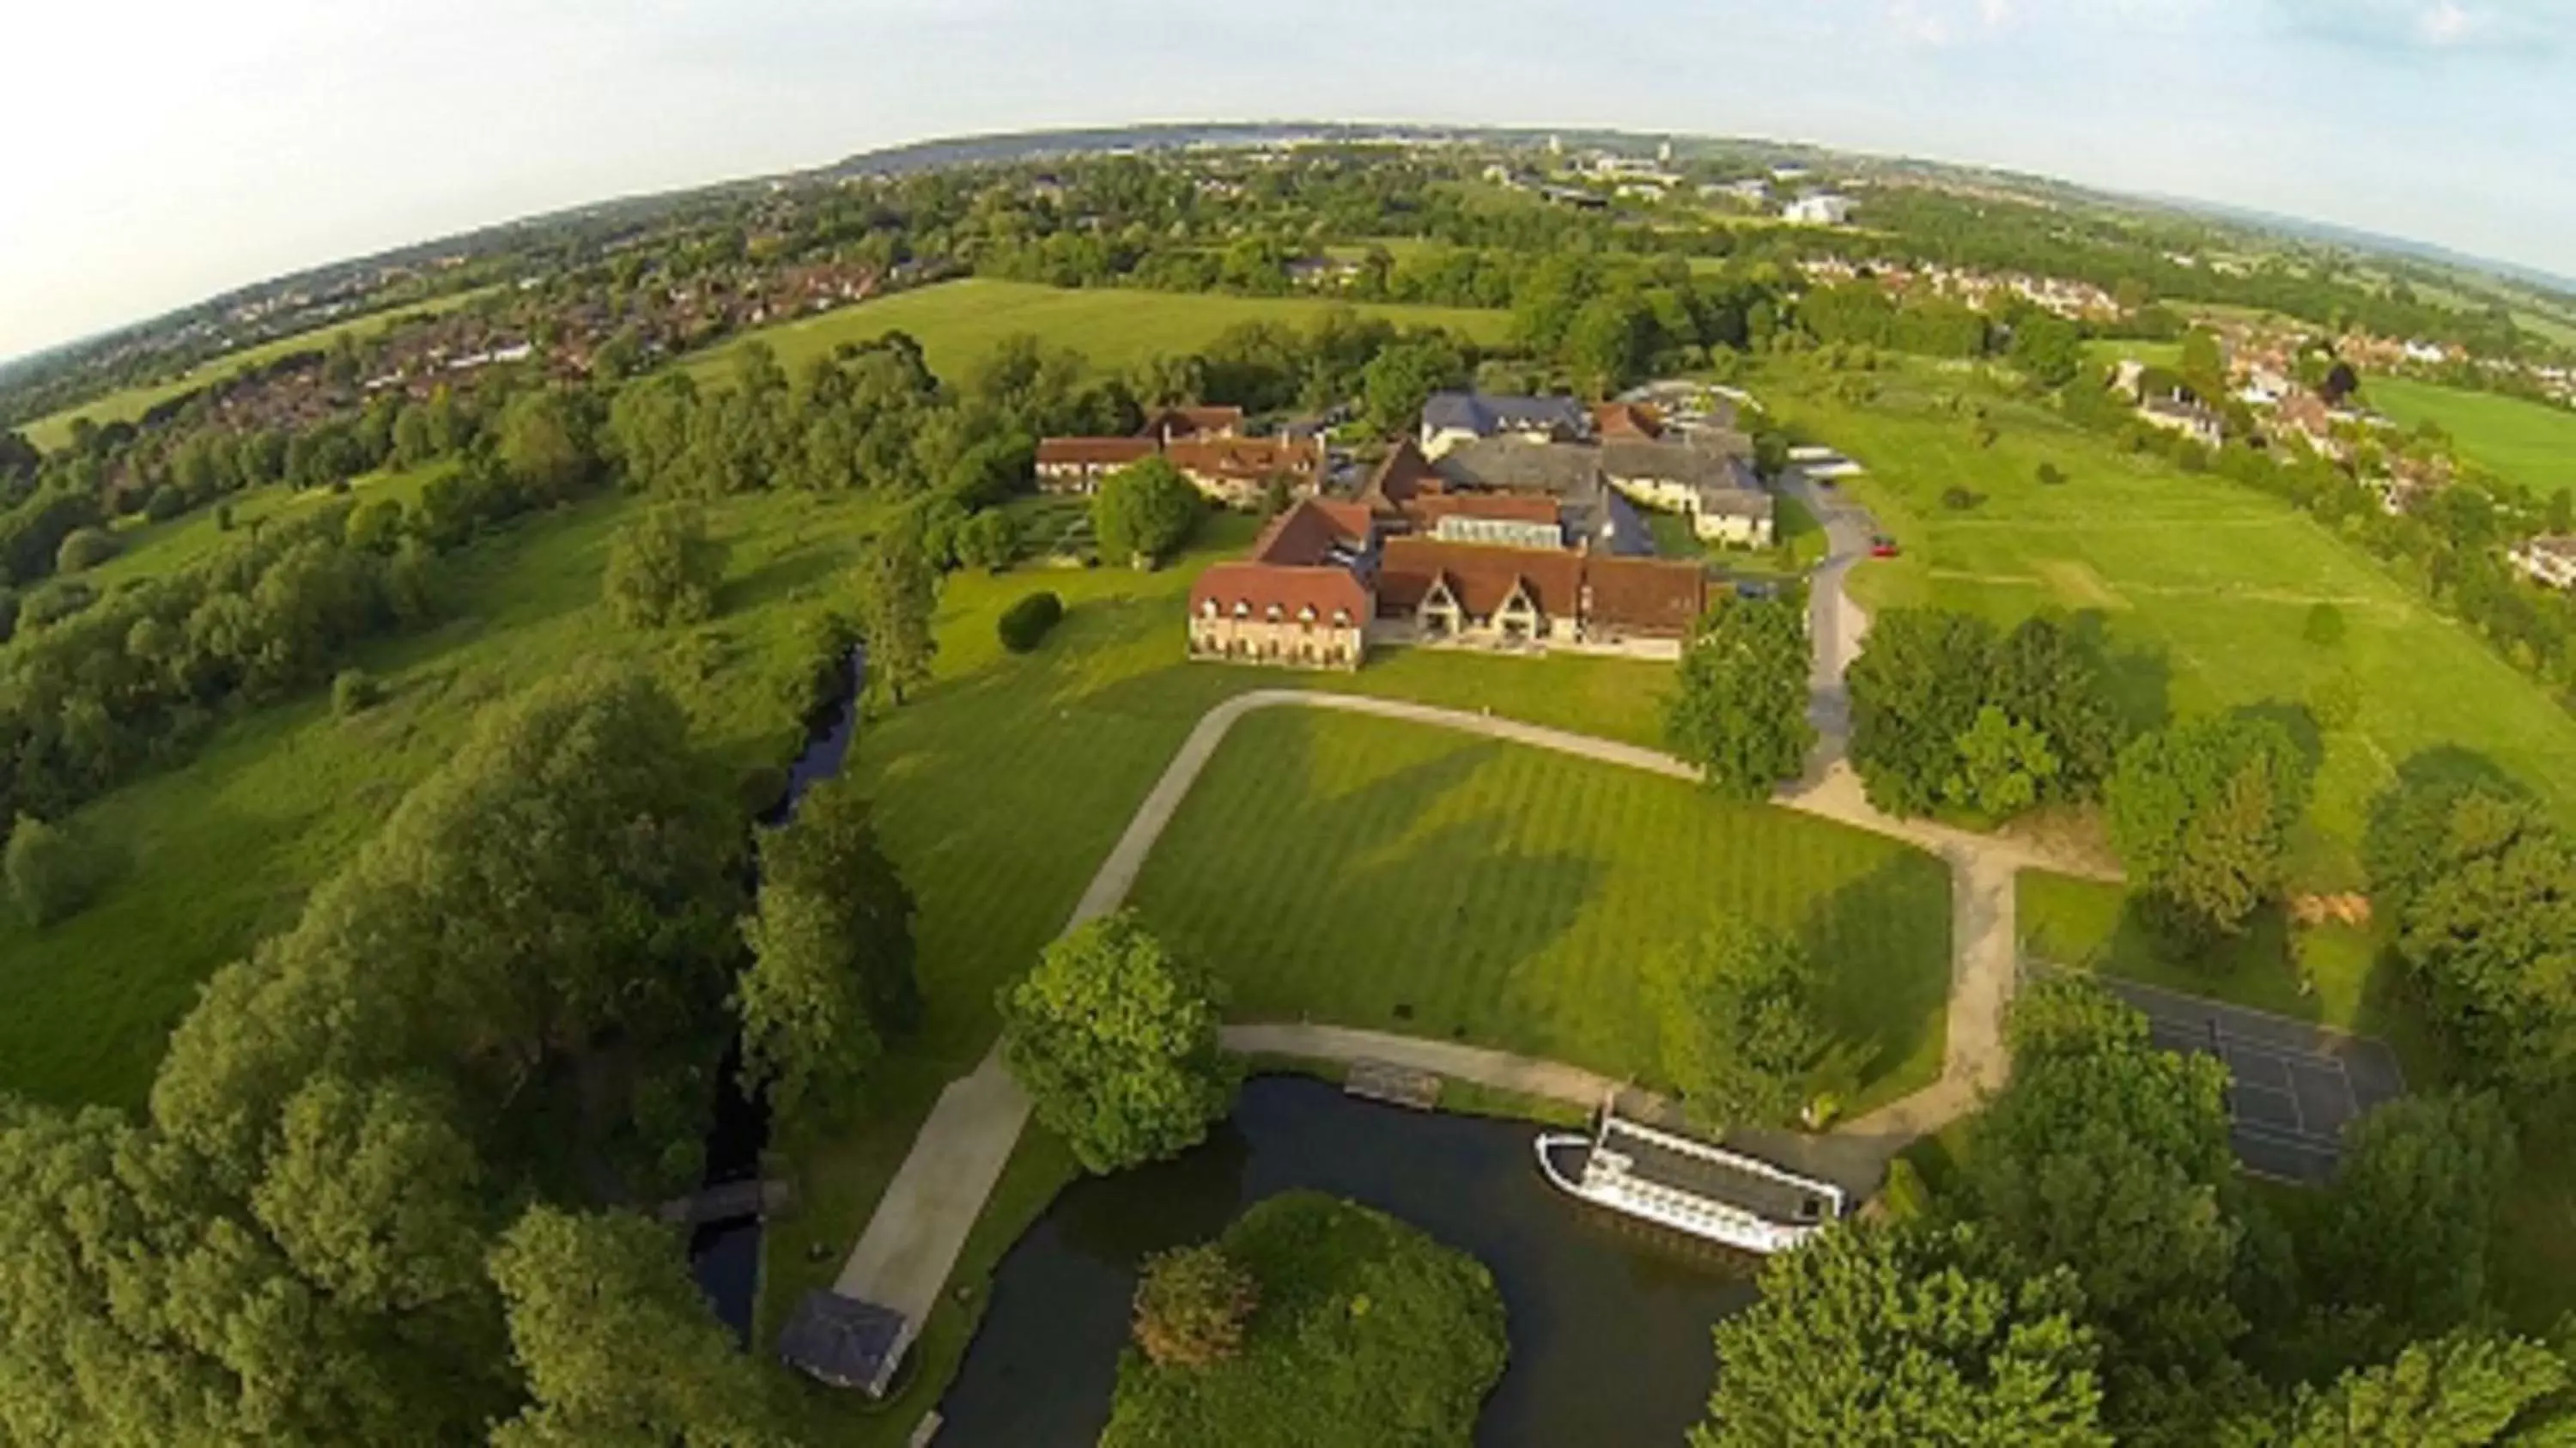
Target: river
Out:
[1609,1323]
[724,1257]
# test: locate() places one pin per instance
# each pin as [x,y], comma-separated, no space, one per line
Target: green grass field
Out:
[958,321]
[1373,873]
[54,429]
[2530,443]
[2200,588]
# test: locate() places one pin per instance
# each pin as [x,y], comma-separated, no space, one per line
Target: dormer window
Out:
[1272,613]
[1306,614]
[1243,608]
[1208,609]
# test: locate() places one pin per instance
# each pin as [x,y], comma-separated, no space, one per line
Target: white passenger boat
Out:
[1694,1187]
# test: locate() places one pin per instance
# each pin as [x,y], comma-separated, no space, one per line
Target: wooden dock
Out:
[1395,1085]
[726,1202]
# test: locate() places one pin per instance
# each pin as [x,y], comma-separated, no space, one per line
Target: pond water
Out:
[1609,1322]
[724,1257]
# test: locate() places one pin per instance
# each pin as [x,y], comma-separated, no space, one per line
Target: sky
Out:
[157,152]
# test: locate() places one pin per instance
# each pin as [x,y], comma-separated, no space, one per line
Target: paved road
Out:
[910,1246]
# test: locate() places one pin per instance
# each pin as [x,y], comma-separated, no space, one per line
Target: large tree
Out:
[1739,704]
[2201,813]
[2468,1389]
[1915,691]
[617,1344]
[1144,512]
[1739,1024]
[2110,1158]
[831,976]
[896,589]
[663,569]
[2408,1237]
[1116,1040]
[1881,1336]
[2483,889]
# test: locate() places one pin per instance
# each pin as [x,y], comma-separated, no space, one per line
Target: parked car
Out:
[1756,588]
[1882,546]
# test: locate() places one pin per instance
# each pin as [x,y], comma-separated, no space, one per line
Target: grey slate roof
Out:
[1567,470]
[843,1341]
[1486,413]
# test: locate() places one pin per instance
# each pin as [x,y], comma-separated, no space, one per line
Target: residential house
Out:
[1303,599]
[1238,471]
[1632,420]
[1824,208]
[1716,490]
[1433,591]
[1450,419]
[2548,560]
[1500,520]
[1077,464]
[2306,416]
[1194,420]
[2183,415]
[1569,472]
[1234,471]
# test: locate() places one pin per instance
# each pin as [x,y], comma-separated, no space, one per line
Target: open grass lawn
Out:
[1374,873]
[957,322]
[2200,588]
[220,852]
[146,549]
[2530,443]
[54,429]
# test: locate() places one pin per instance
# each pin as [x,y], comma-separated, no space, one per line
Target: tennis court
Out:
[2291,1086]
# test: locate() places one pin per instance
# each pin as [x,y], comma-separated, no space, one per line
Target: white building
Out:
[2548,560]
[1824,208]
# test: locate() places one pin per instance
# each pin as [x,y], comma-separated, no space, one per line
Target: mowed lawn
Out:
[126,404]
[2526,442]
[1396,876]
[2201,589]
[958,322]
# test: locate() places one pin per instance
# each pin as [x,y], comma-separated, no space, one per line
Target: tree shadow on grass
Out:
[1882,946]
[780,580]
[2140,680]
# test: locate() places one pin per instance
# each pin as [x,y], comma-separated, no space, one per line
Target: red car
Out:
[1882,546]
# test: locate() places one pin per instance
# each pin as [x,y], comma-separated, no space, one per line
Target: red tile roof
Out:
[1207,420]
[1243,458]
[1094,451]
[1648,595]
[1309,531]
[1405,475]
[1626,419]
[1259,587]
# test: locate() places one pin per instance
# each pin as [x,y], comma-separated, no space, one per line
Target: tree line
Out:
[2096,1271]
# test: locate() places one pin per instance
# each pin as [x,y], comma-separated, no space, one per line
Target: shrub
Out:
[84,548]
[355,692]
[2323,626]
[8,614]
[2051,475]
[166,503]
[1958,499]
[57,601]
[49,873]
[223,517]
[1024,625]
[1191,1306]
[989,541]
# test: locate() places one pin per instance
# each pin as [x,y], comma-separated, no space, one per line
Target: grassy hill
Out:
[2200,588]
[2530,443]
[958,321]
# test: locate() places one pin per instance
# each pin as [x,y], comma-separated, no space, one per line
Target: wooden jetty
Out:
[1395,1085]
[726,1202]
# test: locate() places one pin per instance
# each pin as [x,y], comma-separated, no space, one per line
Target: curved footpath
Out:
[903,1259]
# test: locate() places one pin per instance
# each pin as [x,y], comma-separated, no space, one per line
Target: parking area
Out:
[2292,1086]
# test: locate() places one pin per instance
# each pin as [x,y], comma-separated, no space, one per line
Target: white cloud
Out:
[2447,23]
